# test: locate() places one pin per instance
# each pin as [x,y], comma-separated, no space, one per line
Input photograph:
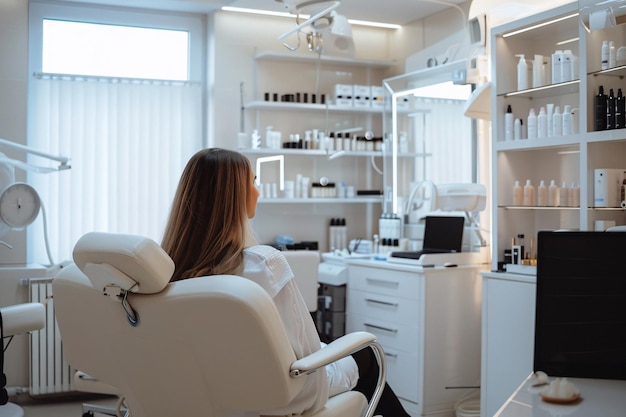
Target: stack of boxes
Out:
[358,96]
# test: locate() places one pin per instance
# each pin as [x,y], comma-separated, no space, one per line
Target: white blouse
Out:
[268,267]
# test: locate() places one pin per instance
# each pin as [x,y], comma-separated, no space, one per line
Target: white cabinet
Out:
[508,334]
[428,322]
[570,158]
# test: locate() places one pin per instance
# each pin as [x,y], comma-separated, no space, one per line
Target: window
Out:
[113,50]
[123,99]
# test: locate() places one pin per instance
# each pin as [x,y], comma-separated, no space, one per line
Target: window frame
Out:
[195,24]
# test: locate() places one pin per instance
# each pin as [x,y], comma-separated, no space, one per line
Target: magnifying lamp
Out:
[19,202]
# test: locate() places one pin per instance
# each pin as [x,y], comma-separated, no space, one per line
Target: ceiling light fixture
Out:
[354,22]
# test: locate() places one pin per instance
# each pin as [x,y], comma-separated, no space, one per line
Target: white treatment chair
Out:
[209,346]
[16,319]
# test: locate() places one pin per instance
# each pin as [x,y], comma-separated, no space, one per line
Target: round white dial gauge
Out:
[19,205]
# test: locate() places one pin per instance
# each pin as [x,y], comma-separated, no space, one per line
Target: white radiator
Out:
[49,373]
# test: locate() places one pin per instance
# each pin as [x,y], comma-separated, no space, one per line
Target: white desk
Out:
[600,397]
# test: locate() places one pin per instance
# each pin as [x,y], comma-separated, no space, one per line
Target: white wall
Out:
[13,88]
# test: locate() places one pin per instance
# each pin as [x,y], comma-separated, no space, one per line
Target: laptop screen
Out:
[443,233]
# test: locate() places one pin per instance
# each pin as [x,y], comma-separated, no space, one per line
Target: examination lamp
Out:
[329,32]
[19,202]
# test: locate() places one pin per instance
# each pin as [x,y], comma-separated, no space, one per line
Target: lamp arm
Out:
[310,20]
[62,159]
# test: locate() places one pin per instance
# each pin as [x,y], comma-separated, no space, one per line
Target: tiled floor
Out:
[71,407]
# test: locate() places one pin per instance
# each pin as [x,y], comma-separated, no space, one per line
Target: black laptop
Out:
[442,234]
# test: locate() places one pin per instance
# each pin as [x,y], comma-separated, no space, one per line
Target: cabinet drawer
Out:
[383,307]
[389,334]
[402,373]
[384,281]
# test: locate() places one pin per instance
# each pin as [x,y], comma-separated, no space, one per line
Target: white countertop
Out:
[599,398]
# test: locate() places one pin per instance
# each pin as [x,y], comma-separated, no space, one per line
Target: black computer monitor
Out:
[580,317]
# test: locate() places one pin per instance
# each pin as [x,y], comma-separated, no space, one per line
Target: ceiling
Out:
[398,12]
[387,11]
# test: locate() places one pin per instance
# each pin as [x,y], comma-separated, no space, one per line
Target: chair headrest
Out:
[131,262]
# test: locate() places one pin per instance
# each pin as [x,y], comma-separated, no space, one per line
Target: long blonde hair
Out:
[208,225]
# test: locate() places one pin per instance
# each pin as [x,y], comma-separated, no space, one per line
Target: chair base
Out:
[11,410]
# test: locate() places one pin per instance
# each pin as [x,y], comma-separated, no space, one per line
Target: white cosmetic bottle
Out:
[518,194]
[563,195]
[574,195]
[532,124]
[542,194]
[508,124]
[529,194]
[517,129]
[538,78]
[557,122]
[542,123]
[553,194]
[566,120]
[522,73]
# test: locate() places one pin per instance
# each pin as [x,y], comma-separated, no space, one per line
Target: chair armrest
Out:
[339,348]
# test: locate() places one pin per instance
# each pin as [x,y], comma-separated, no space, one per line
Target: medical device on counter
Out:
[427,199]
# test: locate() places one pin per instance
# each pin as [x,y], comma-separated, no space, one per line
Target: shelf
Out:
[307,152]
[537,208]
[614,135]
[613,72]
[560,208]
[296,57]
[545,91]
[282,106]
[323,153]
[335,200]
[537,144]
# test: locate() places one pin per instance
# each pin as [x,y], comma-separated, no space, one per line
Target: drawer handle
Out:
[382,282]
[385,303]
[391,355]
[387,329]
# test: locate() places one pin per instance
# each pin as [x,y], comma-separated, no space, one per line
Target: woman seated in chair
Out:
[208,233]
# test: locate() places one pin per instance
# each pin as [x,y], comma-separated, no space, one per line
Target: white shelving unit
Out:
[570,158]
[508,298]
[274,75]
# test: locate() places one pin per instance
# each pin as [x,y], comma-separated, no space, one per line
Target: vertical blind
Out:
[128,141]
[449,142]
